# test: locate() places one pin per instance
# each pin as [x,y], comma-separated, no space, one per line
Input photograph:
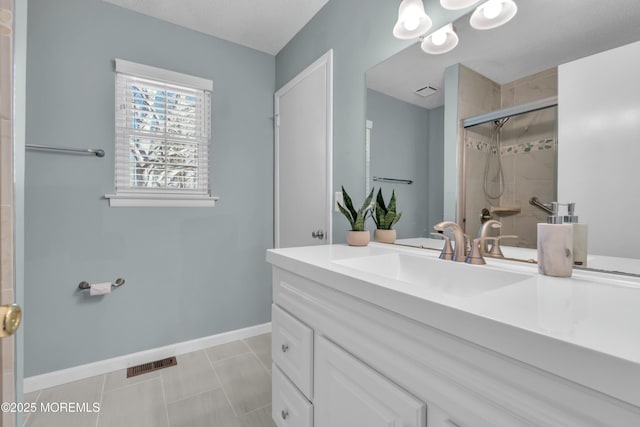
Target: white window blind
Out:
[163,133]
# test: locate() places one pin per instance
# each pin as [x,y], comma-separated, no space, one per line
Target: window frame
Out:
[158,197]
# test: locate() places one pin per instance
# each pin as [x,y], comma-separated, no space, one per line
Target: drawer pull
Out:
[285,414]
[285,348]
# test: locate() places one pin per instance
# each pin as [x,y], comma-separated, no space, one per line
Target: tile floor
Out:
[224,386]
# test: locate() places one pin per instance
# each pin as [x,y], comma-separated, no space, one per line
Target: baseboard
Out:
[63,376]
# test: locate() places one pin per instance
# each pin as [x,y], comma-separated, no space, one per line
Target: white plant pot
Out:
[384,236]
[358,238]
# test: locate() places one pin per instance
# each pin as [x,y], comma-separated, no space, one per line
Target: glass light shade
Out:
[439,37]
[412,20]
[441,41]
[492,14]
[492,9]
[457,4]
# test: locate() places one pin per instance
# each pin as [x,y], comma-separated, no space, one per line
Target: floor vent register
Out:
[151,366]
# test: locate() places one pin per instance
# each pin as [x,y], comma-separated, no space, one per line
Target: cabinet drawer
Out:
[289,408]
[349,393]
[292,349]
[436,417]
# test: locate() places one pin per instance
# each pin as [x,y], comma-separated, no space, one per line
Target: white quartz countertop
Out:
[585,328]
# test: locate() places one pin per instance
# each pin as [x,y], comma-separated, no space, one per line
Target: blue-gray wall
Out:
[406,142]
[360,35]
[190,272]
[436,166]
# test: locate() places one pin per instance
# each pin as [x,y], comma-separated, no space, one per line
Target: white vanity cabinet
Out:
[292,370]
[368,365]
[288,407]
[346,392]
[349,393]
[292,349]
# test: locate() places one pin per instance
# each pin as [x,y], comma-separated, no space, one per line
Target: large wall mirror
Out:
[509,150]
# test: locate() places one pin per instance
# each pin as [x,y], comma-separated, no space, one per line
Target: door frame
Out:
[11,380]
[326,61]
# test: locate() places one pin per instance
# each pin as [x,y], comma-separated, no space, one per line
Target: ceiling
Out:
[264,25]
[544,34]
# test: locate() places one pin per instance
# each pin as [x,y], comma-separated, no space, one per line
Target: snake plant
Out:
[356,218]
[384,216]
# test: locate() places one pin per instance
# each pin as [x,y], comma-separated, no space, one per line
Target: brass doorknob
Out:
[10,316]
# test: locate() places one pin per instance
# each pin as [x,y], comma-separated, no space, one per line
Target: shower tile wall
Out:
[475,159]
[477,95]
[529,173]
[528,152]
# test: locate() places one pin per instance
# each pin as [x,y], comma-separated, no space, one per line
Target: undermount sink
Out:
[453,278]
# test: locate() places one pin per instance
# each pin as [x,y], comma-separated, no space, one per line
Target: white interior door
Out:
[303,157]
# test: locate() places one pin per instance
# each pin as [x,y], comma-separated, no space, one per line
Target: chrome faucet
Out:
[484,239]
[475,254]
[484,234]
[495,249]
[447,250]
[459,250]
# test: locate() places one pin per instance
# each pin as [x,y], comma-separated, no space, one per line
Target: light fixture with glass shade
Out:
[457,4]
[412,20]
[441,41]
[492,14]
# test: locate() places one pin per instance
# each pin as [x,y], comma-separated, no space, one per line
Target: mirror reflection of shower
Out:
[493,180]
[509,155]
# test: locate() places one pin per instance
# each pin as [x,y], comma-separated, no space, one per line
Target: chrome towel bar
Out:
[99,152]
[536,202]
[397,181]
[85,285]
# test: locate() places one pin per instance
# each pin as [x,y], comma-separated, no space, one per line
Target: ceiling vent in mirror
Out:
[426,91]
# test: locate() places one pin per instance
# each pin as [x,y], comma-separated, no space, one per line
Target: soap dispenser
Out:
[555,245]
[580,238]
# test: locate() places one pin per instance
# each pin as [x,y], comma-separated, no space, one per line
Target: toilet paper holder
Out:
[119,282]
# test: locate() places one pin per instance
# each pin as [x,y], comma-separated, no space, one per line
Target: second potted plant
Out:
[385,218]
[358,236]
